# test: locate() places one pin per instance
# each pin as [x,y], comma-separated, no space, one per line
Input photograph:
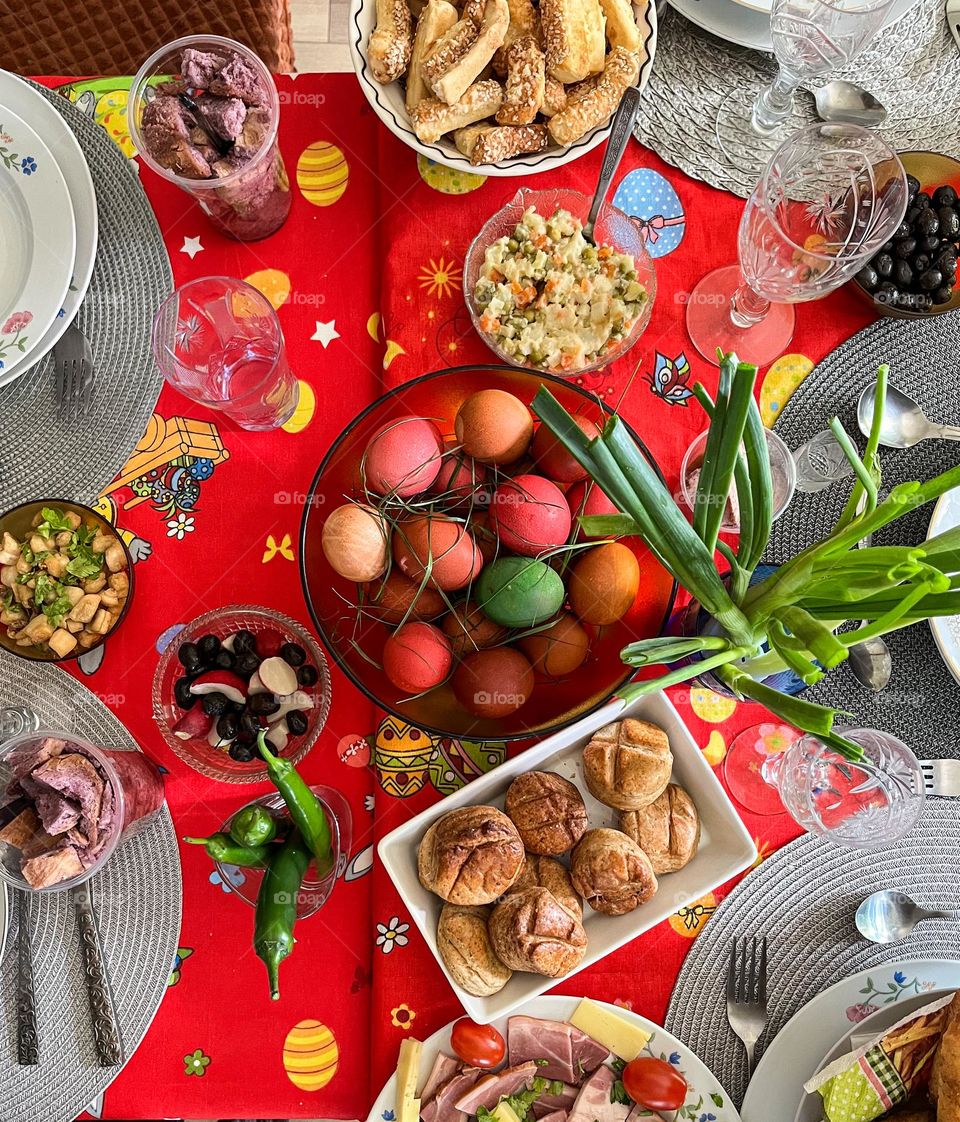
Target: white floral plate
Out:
[799,1049]
[32,107]
[706,1101]
[38,235]
[946,629]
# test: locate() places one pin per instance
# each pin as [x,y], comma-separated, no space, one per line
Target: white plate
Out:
[726,847]
[38,235]
[706,1098]
[946,629]
[749,24]
[388,102]
[815,1032]
[34,108]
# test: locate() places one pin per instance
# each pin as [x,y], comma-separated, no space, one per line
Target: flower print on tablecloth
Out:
[196,1063]
[402,1017]
[180,526]
[183,953]
[392,934]
[235,876]
[440,277]
[12,337]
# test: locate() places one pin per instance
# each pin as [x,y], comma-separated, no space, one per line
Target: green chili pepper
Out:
[223,848]
[276,911]
[252,826]
[306,813]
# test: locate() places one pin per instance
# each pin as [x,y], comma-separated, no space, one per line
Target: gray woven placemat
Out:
[921,705]
[913,67]
[137,897]
[803,899]
[40,455]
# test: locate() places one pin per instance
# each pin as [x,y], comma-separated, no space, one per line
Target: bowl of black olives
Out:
[231,674]
[915,273]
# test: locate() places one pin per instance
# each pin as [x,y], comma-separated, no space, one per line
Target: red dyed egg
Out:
[440,543]
[403,457]
[396,597]
[530,515]
[461,477]
[553,459]
[493,683]
[595,503]
[417,657]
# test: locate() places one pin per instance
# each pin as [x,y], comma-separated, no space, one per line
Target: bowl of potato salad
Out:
[543,297]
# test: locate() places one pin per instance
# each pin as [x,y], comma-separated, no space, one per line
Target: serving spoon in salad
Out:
[623,122]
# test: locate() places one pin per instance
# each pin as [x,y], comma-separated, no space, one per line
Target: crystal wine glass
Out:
[811,39]
[827,201]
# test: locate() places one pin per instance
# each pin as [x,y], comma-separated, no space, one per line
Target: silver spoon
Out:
[844,102]
[623,122]
[904,422]
[888,916]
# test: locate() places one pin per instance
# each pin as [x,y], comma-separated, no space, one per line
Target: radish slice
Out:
[193,725]
[278,677]
[277,735]
[299,701]
[255,685]
[227,643]
[231,685]
[215,740]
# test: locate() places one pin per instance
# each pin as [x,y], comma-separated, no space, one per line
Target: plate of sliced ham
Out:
[563,1062]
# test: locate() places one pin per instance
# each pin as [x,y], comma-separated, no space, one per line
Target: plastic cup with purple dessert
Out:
[65,805]
[203,112]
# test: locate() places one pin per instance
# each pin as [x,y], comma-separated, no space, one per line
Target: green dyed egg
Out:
[519,592]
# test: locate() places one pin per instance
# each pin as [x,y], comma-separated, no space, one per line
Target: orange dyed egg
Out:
[493,683]
[403,457]
[417,657]
[468,629]
[397,597]
[530,515]
[553,459]
[356,541]
[494,426]
[604,583]
[559,649]
[434,543]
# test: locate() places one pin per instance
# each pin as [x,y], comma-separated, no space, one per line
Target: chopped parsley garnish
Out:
[54,521]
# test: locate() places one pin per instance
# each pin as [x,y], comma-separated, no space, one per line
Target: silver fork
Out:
[73,369]
[941,777]
[747,993]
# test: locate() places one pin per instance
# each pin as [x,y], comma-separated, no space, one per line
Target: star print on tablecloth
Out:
[325,333]
[191,246]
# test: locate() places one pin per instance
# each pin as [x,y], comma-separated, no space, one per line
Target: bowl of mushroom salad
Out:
[65,580]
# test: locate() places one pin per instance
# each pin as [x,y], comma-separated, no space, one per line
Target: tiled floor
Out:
[320,35]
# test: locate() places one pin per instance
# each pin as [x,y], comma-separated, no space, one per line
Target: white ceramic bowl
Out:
[388,102]
[726,847]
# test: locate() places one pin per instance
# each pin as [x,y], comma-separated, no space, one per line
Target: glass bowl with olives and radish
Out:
[444,565]
[231,673]
[914,275]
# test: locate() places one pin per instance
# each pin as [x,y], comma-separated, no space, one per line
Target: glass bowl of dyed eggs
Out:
[444,568]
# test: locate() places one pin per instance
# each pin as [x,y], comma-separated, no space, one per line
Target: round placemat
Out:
[42,455]
[913,67]
[921,705]
[137,897]
[803,899]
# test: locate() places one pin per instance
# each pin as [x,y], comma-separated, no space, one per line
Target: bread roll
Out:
[548,812]
[530,931]
[628,764]
[668,830]
[548,873]
[611,872]
[470,856]
[945,1075]
[464,945]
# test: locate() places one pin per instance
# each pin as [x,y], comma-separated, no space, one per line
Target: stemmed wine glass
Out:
[811,39]
[827,201]
[863,805]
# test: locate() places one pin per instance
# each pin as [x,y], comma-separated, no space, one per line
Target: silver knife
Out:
[28,1042]
[106,1033]
[953,18]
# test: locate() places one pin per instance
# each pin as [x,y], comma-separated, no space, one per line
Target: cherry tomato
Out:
[654,1083]
[477,1045]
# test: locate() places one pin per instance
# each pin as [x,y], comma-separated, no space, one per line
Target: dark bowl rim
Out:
[333,649]
[129,570]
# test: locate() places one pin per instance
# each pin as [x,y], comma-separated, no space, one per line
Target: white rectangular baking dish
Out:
[726,848]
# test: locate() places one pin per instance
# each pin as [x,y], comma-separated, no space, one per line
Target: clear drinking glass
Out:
[218,341]
[811,39]
[820,463]
[830,196]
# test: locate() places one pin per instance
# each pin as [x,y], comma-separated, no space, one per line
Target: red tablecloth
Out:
[367,278]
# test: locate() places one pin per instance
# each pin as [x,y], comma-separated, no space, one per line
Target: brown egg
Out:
[557,650]
[397,597]
[604,583]
[553,460]
[494,427]
[355,541]
[468,630]
[493,683]
[440,543]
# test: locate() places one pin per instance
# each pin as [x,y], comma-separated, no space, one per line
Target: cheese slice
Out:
[504,1112]
[622,1037]
[408,1072]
